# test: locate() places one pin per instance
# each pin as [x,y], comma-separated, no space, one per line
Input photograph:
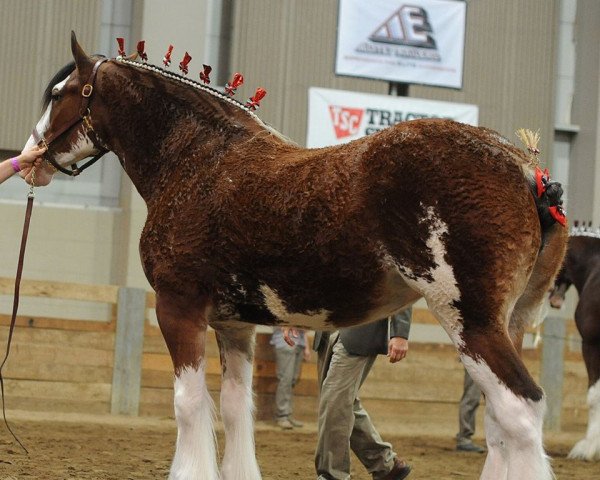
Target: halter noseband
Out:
[84,117]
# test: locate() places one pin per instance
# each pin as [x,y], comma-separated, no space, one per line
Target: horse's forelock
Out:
[58,77]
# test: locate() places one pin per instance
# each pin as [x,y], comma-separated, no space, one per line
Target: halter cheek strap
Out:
[84,116]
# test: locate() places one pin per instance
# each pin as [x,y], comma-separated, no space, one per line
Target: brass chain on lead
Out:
[31,193]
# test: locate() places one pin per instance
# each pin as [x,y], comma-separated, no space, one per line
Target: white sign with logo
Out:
[407,41]
[338,116]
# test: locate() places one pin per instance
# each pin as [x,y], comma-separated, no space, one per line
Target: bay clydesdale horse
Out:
[244,227]
[581,268]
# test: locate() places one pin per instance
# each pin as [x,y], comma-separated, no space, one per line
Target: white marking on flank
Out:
[312,320]
[443,291]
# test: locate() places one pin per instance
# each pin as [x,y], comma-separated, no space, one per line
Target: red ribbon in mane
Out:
[140,50]
[254,102]
[183,65]
[167,57]
[541,180]
[204,76]
[121,42]
[236,81]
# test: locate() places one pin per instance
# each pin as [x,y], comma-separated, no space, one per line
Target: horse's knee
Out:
[236,387]
[520,422]
[190,395]
[236,399]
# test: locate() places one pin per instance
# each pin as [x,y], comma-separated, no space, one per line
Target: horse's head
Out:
[68,125]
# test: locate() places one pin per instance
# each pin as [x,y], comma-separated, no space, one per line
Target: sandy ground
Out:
[100,447]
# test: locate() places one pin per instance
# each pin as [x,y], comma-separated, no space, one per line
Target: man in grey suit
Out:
[344,361]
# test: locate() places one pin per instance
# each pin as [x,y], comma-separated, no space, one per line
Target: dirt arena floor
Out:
[100,447]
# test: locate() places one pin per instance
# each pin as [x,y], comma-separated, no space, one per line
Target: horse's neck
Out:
[158,127]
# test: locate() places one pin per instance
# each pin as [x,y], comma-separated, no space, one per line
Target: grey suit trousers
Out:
[467,408]
[343,423]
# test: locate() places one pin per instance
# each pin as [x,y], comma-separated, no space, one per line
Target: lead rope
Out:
[13,319]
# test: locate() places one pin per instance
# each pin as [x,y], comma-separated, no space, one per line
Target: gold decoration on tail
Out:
[530,140]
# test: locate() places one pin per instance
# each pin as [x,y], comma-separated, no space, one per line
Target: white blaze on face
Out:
[44,122]
[81,148]
[41,128]
[314,320]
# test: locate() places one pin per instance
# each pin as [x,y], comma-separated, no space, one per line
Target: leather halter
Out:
[83,117]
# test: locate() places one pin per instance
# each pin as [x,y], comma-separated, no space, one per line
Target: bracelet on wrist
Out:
[15,164]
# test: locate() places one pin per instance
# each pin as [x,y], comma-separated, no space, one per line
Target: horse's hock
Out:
[66,365]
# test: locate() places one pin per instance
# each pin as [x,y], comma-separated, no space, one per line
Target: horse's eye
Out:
[56,96]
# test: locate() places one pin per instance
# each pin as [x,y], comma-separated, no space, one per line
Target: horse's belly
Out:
[390,296]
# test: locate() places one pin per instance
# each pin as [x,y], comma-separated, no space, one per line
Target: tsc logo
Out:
[346,121]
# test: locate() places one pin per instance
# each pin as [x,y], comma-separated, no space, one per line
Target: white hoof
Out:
[586,449]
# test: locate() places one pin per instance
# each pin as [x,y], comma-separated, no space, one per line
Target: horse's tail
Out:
[530,309]
[546,193]
[548,200]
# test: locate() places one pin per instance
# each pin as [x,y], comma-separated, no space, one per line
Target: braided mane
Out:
[584,231]
[199,86]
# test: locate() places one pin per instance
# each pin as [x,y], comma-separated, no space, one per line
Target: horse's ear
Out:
[82,61]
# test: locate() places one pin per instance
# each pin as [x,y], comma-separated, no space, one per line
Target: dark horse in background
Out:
[582,268]
[244,227]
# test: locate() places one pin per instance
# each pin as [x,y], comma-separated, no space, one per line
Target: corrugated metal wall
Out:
[36,29]
[288,46]
[509,66]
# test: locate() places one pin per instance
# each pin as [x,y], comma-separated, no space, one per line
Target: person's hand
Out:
[397,349]
[37,170]
[30,157]
[289,333]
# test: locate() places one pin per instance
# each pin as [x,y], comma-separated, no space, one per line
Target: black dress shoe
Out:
[399,471]
[470,447]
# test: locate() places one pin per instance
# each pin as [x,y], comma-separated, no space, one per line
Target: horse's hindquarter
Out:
[471,231]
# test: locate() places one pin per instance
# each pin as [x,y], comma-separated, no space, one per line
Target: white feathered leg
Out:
[195,454]
[589,447]
[513,430]
[237,405]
